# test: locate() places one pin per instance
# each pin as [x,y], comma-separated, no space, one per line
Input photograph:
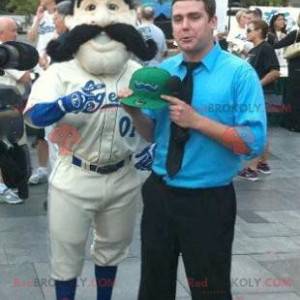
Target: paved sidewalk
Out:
[266,260]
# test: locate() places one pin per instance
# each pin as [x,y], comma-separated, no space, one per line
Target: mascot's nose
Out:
[102,17]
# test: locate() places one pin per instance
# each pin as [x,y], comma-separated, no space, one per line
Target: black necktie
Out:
[179,135]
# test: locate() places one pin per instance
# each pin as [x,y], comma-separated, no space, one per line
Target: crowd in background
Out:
[252,39]
[48,24]
[263,46]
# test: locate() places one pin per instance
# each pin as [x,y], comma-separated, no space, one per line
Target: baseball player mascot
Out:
[94,183]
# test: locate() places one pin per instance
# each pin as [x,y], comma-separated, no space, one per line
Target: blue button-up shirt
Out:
[226,90]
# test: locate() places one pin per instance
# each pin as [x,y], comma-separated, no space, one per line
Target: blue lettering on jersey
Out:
[43,28]
[94,94]
[126,127]
[112,97]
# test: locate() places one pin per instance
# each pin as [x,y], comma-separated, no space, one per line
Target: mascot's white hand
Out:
[144,159]
[75,102]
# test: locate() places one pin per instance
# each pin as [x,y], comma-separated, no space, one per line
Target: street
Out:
[266,252]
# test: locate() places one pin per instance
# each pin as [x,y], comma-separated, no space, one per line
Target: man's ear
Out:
[214,22]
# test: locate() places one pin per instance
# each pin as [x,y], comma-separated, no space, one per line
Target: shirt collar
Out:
[209,59]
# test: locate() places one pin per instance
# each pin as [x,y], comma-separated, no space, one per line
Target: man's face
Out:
[9,32]
[280,23]
[244,20]
[253,17]
[192,27]
[252,33]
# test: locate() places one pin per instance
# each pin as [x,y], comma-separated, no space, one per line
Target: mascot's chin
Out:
[99,61]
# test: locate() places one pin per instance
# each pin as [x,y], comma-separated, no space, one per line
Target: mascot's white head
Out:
[101,36]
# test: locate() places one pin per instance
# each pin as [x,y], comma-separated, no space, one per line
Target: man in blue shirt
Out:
[193,210]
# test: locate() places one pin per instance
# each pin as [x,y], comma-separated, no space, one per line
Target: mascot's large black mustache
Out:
[64,48]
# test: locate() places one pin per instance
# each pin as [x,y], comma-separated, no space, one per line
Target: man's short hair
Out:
[210,6]
[64,7]
[4,21]
[257,13]
[261,25]
[147,12]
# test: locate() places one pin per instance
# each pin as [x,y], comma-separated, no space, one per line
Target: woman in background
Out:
[237,36]
[293,86]
[277,28]
[277,31]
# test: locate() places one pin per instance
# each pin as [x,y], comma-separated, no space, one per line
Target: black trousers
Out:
[293,93]
[197,224]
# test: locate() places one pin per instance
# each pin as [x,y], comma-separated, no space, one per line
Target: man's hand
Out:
[185,116]
[143,124]
[123,93]
[33,32]
[44,61]
[39,13]
[181,113]
[145,158]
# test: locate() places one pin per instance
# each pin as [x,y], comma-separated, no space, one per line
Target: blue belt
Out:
[99,169]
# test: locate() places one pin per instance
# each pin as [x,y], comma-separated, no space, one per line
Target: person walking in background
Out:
[277,28]
[198,153]
[41,32]
[277,31]
[242,18]
[237,36]
[151,31]
[293,86]
[264,60]
[62,10]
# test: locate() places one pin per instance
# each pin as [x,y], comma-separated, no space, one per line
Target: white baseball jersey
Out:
[151,31]
[105,132]
[46,32]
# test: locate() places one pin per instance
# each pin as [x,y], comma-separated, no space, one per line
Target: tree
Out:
[22,7]
[265,2]
[3,4]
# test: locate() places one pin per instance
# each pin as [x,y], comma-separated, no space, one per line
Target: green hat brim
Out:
[136,101]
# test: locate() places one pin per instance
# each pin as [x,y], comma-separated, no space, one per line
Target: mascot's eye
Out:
[112,6]
[90,7]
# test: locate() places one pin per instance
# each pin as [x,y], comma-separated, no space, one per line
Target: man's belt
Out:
[100,169]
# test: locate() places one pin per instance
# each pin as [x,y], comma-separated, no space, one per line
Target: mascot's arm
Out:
[45,114]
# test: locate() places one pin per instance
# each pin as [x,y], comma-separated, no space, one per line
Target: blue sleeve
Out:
[45,114]
[149,113]
[250,113]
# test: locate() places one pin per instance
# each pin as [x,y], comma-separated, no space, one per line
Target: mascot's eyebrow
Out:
[73,3]
[79,2]
[129,2]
